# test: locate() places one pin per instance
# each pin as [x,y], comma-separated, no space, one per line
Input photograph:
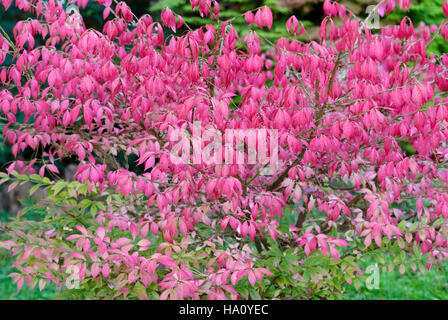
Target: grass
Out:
[433,285]
[8,289]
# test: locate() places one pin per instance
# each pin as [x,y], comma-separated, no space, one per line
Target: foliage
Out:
[135,223]
[230,10]
[429,13]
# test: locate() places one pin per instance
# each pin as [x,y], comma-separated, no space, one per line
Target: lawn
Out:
[433,285]
[8,289]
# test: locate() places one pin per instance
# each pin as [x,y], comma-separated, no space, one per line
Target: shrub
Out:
[135,222]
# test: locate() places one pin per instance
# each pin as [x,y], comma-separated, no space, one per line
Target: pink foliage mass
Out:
[343,108]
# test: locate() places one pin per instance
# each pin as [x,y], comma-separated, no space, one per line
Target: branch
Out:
[283,175]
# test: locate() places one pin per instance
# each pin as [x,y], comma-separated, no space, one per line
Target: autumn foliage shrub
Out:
[134,224]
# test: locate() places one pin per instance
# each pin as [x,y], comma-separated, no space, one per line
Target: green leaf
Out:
[140,291]
[13,185]
[357,284]
[402,225]
[35,177]
[413,227]
[58,186]
[314,261]
[34,189]
[85,203]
